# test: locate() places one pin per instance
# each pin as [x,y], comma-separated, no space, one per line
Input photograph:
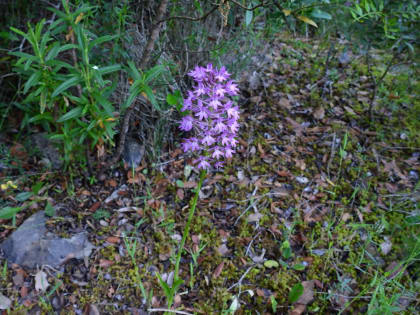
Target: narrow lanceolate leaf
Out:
[74,113]
[153,73]
[151,96]
[321,15]
[33,80]
[109,69]
[134,72]
[307,20]
[43,101]
[101,40]
[57,49]
[248,16]
[65,85]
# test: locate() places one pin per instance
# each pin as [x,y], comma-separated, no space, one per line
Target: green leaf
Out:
[43,116]
[109,69]
[24,56]
[359,10]
[166,289]
[171,99]
[180,183]
[9,212]
[286,251]
[153,73]
[273,303]
[74,113]
[21,33]
[248,15]
[23,196]
[65,85]
[298,267]
[33,80]
[134,72]
[43,101]
[151,97]
[37,187]
[58,49]
[321,14]
[295,293]
[271,264]
[49,210]
[101,40]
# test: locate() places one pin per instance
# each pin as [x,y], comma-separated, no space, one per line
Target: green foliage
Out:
[72,99]
[295,292]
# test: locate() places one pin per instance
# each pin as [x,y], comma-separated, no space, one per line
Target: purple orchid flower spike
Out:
[213,116]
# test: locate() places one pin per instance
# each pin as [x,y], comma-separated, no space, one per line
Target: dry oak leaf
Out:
[308,293]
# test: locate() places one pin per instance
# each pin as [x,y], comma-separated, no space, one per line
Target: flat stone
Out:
[31,245]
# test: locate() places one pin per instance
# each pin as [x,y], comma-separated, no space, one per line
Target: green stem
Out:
[187,226]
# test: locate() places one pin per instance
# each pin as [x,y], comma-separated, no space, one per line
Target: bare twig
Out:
[242,278]
[189,18]
[262,4]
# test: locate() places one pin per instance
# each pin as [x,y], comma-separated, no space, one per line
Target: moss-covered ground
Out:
[321,195]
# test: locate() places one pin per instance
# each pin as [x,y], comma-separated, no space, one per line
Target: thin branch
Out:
[203,17]
[153,34]
[262,4]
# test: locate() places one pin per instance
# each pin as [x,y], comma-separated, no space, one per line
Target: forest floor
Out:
[317,213]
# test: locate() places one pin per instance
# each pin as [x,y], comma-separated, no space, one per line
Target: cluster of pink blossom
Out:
[212,115]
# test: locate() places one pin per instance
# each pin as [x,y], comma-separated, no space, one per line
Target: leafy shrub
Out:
[71,99]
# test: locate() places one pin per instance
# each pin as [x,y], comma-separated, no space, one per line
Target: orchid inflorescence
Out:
[212,115]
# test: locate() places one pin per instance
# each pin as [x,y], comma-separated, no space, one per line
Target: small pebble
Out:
[403,136]
[307,189]
[414,175]
[302,179]
[319,252]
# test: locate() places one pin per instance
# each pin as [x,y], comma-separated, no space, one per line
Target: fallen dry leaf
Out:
[319,113]
[308,293]
[218,270]
[41,281]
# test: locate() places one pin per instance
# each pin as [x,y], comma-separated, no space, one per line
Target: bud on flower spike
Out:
[213,116]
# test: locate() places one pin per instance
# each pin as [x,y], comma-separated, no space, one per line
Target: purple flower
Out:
[217,153]
[208,139]
[186,123]
[232,88]
[233,112]
[222,74]
[214,103]
[203,164]
[214,117]
[198,73]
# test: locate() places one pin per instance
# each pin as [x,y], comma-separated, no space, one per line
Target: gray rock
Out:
[133,152]
[48,151]
[31,245]
[5,302]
